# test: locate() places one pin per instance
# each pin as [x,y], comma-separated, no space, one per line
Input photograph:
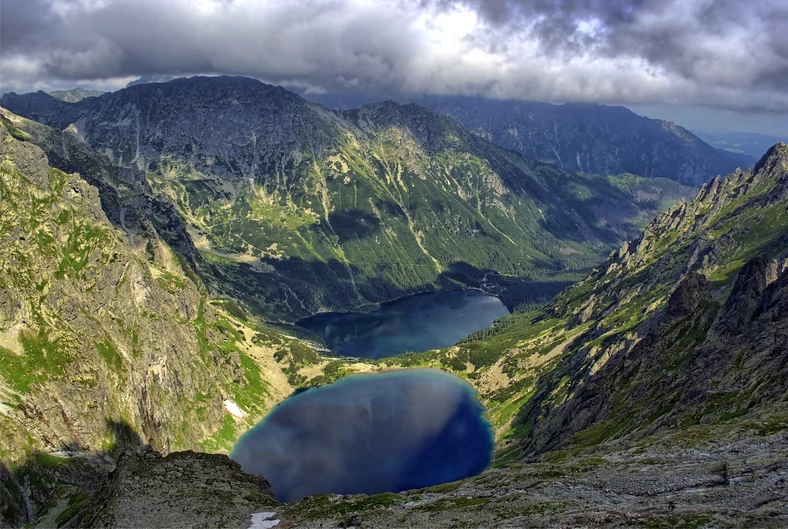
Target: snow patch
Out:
[263,520]
[233,408]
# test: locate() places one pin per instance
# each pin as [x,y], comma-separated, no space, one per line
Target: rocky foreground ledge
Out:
[707,476]
[182,490]
[731,475]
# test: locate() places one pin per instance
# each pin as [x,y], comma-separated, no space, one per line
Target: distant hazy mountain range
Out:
[743,143]
[584,137]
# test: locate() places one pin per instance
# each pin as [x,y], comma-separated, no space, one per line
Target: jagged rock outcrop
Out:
[715,351]
[700,362]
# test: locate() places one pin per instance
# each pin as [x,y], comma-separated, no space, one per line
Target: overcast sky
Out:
[684,56]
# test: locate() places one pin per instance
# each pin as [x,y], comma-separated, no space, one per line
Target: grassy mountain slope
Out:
[296,208]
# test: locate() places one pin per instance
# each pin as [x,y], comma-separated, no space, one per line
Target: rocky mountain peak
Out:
[775,159]
[688,220]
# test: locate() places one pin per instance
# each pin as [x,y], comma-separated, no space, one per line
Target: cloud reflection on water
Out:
[370,434]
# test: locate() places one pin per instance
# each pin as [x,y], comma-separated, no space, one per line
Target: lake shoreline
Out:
[372,307]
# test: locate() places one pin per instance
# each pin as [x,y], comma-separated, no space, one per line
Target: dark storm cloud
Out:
[725,53]
[725,42]
[332,44]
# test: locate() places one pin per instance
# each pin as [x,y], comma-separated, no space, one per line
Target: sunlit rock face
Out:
[369,434]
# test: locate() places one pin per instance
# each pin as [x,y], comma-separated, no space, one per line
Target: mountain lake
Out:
[414,323]
[370,433]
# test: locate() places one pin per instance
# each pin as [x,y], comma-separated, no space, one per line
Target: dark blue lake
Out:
[374,433]
[415,323]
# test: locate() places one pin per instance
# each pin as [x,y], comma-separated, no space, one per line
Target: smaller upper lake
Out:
[370,433]
[415,323]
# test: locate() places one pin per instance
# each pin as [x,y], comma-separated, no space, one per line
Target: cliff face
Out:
[701,362]
[81,313]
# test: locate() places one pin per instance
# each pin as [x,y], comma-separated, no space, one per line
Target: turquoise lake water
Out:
[372,433]
[415,323]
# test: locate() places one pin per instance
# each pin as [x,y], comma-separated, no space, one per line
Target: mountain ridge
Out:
[275,187]
[588,137]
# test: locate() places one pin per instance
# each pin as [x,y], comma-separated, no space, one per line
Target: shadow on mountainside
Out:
[30,488]
[297,288]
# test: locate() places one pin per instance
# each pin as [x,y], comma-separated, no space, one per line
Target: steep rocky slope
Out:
[712,351]
[297,208]
[103,342]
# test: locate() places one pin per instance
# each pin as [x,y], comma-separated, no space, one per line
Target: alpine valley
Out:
[159,243]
